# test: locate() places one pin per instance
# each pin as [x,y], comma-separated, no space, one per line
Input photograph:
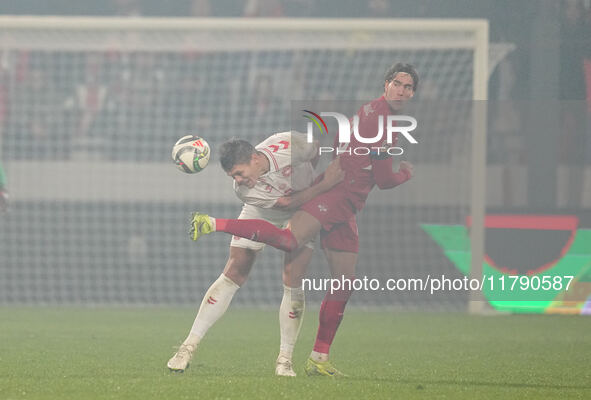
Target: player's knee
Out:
[239,265]
[292,275]
[288,241]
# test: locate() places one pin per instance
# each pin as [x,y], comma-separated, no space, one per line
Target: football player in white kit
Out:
[272,179]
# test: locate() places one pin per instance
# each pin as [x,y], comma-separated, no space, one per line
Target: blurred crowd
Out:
[60,105]
[252,8]
[118,92]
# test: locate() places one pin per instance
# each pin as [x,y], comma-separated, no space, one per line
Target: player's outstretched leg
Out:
[253,229]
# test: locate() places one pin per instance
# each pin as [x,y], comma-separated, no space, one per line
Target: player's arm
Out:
[302,150]
[384,175]
[381,162]
[333,175]
[314,160]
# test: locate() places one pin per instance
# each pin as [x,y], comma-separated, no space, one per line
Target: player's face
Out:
[245,174]
[399,90]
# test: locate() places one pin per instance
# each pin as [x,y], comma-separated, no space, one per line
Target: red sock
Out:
[331,315]
[259,231]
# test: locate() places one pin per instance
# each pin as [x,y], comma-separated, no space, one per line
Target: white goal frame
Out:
[478,40]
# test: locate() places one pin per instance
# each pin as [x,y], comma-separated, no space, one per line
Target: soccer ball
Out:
[191,154]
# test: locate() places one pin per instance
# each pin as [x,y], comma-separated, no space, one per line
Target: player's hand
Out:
[3,200]
[333,174]
[408,167]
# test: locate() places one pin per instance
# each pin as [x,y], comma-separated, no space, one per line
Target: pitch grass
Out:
[67,353]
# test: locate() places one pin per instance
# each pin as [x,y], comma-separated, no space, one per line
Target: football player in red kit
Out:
[332,213]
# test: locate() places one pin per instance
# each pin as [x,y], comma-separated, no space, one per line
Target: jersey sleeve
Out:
[384,176]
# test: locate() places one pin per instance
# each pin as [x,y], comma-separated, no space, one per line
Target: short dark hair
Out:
[401,67]
[235,152]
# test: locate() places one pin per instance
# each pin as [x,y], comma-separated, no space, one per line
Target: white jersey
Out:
[289,156]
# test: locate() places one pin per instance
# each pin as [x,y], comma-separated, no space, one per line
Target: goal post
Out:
[478,179]
[96,104]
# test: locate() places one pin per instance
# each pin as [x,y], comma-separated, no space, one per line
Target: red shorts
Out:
[336,214]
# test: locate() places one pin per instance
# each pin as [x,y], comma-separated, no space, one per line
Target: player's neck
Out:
[392,110]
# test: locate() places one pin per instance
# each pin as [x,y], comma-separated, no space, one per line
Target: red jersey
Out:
[363,171]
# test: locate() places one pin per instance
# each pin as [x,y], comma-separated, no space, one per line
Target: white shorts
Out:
[278,218]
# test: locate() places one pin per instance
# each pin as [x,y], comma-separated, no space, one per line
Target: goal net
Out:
[89,110]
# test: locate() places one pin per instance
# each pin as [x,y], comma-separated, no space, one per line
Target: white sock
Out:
[318,357]
[291,315]
[214,305]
